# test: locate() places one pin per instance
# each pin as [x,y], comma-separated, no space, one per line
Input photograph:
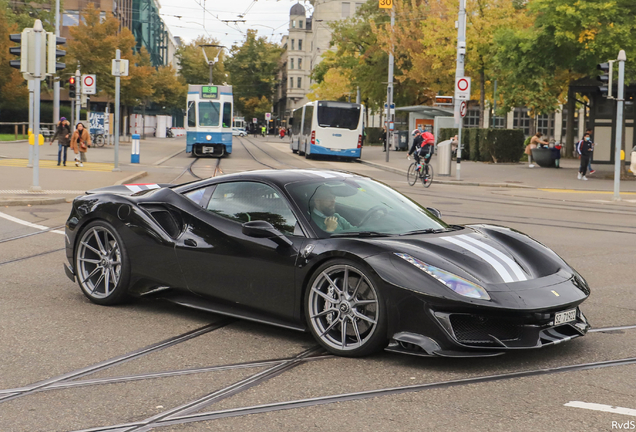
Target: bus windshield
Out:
[209,113]
[339,115]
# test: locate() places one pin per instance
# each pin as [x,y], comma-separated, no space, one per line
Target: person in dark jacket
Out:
[63,135]
[383,139]
[586,148]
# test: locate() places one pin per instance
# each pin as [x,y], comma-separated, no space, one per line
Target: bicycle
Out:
[98,139]
[422,171]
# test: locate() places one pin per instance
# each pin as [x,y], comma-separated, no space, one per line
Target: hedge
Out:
[496,145]
[373,136]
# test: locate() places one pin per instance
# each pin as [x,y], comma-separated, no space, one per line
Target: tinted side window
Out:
[309,113]
[227,115]
[297,121]
[249,201]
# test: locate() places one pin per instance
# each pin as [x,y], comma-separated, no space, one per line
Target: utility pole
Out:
[459,72]
[117,90]
[31,108]
[619,124]
[40,37]
[78,94]
[389,90]
[56,82]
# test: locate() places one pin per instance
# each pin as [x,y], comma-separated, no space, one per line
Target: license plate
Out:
[565,317]
[208,150]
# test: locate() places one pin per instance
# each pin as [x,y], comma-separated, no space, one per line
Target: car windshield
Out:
[357,206]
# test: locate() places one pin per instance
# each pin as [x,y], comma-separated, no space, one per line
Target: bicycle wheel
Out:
[427,176]
[412,174]
[99,141]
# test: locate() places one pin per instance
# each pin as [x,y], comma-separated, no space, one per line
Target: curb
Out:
[31,201]
[447,182]
[131,178]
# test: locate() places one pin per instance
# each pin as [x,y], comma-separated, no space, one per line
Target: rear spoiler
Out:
[128,189]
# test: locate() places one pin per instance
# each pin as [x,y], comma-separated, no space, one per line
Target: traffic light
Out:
[605,78]
[17,50]
[71,87]
[26,51]
[52,66]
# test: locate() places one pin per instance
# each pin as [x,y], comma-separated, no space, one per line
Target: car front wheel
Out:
[101,264]
[344,309]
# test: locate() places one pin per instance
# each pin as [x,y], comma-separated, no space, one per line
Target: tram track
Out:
[30,256]
[277,160]
[30,234]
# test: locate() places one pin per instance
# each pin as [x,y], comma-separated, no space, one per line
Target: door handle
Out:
[190,242]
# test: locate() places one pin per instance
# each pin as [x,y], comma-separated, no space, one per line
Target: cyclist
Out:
[422,147]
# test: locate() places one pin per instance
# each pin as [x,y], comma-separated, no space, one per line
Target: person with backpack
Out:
[422,147]
[63,135]
[585,148]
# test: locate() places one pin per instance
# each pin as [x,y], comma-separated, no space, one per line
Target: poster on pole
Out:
[97,122]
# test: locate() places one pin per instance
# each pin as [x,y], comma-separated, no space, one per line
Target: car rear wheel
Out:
[344,309]
[101,264]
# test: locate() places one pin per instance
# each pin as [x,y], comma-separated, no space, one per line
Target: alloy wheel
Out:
[99,262]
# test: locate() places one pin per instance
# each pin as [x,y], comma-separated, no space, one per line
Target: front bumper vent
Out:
[473,329]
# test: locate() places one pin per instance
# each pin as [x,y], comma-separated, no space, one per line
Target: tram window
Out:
[192,114]
[227,114]
[209,113]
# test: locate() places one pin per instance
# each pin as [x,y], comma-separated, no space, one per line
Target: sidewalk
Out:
[61,184]
[514,175]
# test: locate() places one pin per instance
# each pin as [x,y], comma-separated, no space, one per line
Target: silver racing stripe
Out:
[496,264]
[516,268]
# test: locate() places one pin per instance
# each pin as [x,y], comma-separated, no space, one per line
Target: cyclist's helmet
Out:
[416,132]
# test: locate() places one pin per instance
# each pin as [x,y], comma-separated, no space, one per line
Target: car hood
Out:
[495,257]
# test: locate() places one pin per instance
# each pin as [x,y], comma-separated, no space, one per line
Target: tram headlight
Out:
[208,137]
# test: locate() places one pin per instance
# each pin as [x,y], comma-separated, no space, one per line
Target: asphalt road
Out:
[67,364]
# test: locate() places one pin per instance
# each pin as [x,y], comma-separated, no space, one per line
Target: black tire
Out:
[427,179]
[100,257]
[364,325]
[412,175]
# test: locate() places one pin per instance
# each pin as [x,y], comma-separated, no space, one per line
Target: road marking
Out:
[583,191]
[48,192]
[601,407]
[29,224]
[88,166]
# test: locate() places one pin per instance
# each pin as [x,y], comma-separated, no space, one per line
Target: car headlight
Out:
[458,284]
[208,137]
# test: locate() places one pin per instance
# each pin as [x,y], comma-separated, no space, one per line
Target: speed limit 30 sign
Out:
[386,4]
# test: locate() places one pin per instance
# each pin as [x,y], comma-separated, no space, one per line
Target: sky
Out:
[187,19]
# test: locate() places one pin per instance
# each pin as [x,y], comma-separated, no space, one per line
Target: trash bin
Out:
[444,153]
[402,140]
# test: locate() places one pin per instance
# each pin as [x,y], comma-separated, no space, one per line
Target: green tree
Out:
[252,67]
[137,89]
[194,68]
[169,89]
[13,88]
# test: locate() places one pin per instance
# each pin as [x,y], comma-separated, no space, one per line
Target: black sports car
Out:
[356,263]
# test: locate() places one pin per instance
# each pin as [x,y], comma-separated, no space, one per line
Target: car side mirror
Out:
[263,229]
[436,213]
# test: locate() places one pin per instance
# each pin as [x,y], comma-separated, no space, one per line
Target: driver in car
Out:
[324,212]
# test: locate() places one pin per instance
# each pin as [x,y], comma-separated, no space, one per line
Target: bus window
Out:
[296,120]
[338,115]
[192,114]
[227,115]
[209,113]
[309,113]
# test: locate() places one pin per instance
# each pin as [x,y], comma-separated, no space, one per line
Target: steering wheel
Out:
[375,209]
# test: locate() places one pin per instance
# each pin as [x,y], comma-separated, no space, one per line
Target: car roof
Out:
[279,177]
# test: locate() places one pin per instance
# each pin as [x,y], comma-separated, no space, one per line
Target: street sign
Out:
[88,84]
[254,120]
[462,88]
[386,4]
[392,108]
[463,109]
[444,100]
[268,116]
[123,67]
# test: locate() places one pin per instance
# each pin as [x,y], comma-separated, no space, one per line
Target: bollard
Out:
[134,152]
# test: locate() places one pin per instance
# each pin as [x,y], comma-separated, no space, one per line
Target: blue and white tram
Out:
[209,120]
[328,128]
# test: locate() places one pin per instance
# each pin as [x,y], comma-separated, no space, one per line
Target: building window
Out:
[544,125]
[300,44]
[521,120]
[293,24]
[346,9]
[299,82]
[291,82]
[500,122]
[293,44]
[70,18]
[358,6]
[300,23]
[300,63]
[472,118]
[291,63]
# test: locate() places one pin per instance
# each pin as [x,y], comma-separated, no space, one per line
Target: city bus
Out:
[209,111]
[328,128]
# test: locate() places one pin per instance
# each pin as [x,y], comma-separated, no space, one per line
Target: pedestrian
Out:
[80,141]
[534,143]
[281,133]
[254,130]
[63,135]
[263,130]
[585,148]
[383,138]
